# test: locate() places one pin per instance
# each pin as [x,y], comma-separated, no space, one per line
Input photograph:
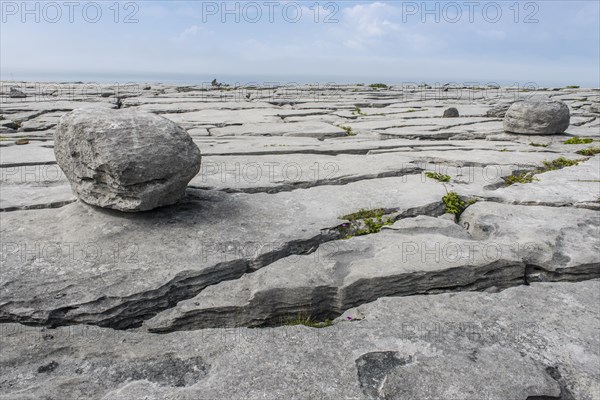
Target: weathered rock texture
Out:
[497,303]
[537,116]
[451,112]
[125,160]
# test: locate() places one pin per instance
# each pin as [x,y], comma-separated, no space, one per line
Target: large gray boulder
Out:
[125,160]
[537,116]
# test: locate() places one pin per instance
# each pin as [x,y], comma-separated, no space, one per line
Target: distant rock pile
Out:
[125,160]
[537,116]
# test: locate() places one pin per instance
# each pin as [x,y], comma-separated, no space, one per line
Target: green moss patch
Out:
[578,140]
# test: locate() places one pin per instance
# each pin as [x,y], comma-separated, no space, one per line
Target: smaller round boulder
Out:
[451,112]
[125,160]
[537,116]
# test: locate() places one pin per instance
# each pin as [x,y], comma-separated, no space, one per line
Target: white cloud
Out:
[190,32]
[371,20]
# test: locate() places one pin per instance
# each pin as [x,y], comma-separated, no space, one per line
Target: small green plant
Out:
[358,111]
[307,320]
[453,203]
[411,110]
[348,130]
[590,151]
[529,176]
[378,86]
[375,225]
[522,177]
[572,87]
[364,222]
[3,139]
[362,214]
[559,163]
[578,140]
[438,177]
[538,144]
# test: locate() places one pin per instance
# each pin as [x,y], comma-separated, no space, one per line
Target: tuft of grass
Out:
[358,111]
[348,130]
[523,177]
[411,110]
[572,87]
[378,86]
[578,140]
[559,163]
[454,204]
[307,320]
[362,214]
[438,177]
[529,176]
[364,222]
[538,144]
[590,151]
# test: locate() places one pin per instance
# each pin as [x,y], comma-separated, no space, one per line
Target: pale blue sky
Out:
[362,41]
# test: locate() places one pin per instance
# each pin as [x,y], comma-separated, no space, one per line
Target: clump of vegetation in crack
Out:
[572,87]
[454,204]
[529,176]
[348,130]
[559,163]
[590,151]
[438,177]
[307,320]
[538,144]
[364,222]
[362,214]
[521,177]
[358,111]
[378,86]
[578,140]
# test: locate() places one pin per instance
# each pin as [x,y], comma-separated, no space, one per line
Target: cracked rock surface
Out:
[313,255]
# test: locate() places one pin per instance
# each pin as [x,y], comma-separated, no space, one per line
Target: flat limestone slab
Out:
[556,243]
[510,245]
[314,129]
[578,186]
[425,256]
[82,264]
[471,345]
